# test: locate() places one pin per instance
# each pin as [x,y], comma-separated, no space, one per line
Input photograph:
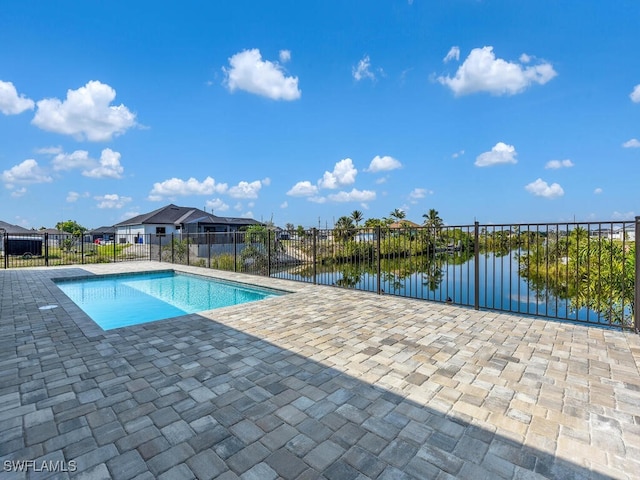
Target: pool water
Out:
[115,301]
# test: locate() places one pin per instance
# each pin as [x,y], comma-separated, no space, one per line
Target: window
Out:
[161,231]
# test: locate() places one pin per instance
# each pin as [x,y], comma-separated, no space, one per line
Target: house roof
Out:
[174,215]
[403,224]
[98,230]
[9,228]
[53,231]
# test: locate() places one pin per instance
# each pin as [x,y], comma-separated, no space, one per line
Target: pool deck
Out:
[321,383]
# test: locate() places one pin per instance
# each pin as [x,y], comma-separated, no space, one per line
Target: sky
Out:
[302,112]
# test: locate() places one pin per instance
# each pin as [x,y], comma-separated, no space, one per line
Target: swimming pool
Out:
[114,301]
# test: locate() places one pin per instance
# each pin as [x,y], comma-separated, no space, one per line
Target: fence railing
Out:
[584,272]
[46,249]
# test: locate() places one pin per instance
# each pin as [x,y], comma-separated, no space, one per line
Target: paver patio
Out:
[320,383]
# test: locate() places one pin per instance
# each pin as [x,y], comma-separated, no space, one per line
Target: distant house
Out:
[100,234]
[173,219]
[403,224]
[13,229]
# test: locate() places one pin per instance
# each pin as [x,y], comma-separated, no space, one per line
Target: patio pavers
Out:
[321,383]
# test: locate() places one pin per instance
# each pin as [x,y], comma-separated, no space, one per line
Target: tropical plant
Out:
[356,216]
[433,221]
[594,273]
[176,251]
[344,229]
[398,214]
[71,226]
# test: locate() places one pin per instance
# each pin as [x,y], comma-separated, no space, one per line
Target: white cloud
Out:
[623,215]
[524,58]
[74,196]
[248,214]
[109,166]
[316,199]
[381,164]
[285,56]
[483,72]
[250,73]
[246,189]
[266,181]
[49,150]
[303,189]
[217,205]
[540,188]
[86,113]
[284,204]
[10,102]
[363,70]
[18,192]
[344,173]
[458,154]
[633,143]
[353,196]
[635,94]
[555,164]
[112,200]
[500,153]
[176,186]
[418,193]
[70,161]
[25,173]
[454,54]
[597,191]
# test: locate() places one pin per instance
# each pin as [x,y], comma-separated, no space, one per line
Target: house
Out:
[404,224]
[13,229]
[172,219]
[100,234]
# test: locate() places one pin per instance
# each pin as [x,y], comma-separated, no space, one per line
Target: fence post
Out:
[315,236]
[46,249]
[636,299]
[187,242]
[173,260]
[268,252]
[378,272]
[476,268]
[235,251]
[114,248]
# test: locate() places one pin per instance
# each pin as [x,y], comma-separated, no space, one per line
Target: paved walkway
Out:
[320,383]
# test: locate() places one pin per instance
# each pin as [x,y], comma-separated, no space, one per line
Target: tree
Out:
[433,221]
[344,229]
[289,227]
[594,273]
[356,215]
[72,227]
[398,214]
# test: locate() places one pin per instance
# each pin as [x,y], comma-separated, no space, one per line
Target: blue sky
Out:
[302,112]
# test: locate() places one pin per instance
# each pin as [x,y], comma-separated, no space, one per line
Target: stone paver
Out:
[322,382]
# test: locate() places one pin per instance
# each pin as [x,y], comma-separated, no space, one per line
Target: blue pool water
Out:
[115,301]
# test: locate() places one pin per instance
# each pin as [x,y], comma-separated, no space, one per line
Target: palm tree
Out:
[433,221]
[344,229]
[398,214]
[356,216]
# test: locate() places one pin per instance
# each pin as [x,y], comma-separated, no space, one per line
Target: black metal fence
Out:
[46,249]
[584,272]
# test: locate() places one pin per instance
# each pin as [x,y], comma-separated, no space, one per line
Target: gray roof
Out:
[105,229]
[9,228]
[175,215]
